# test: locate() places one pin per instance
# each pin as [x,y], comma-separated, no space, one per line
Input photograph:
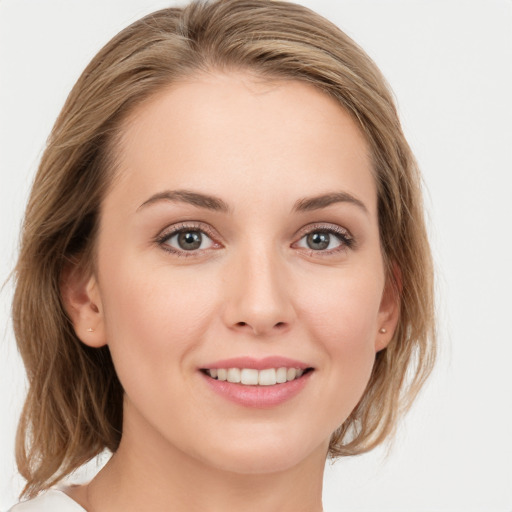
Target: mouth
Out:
[257,383]
[255,377]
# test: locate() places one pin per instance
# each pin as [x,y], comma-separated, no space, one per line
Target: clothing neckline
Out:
[63,493]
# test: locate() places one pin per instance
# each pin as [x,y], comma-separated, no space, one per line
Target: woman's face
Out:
[241,233]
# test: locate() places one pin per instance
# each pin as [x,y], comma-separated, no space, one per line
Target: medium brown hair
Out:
[73,410]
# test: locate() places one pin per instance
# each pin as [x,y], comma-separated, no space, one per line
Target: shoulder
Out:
[49,501]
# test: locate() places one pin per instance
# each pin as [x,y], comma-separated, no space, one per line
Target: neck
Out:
[158,477]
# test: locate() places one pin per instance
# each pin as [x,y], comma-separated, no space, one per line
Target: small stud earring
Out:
[383,330]
[90,329]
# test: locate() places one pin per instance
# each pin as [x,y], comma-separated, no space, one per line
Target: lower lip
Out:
[258,396]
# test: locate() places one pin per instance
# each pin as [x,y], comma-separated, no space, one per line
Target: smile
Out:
[254,377]
[257,383]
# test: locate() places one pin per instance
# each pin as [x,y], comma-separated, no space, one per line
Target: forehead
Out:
[233,131]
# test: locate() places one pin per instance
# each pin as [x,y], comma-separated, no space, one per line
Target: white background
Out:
[449,63]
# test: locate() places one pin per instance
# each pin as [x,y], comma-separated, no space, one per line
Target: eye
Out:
[189,240]
[318,241]
[326,239]
[185,239]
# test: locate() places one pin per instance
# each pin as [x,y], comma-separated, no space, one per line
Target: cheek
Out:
[343,309]
[153,316]
[342,316]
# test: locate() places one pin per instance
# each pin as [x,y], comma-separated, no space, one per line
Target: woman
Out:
[224,275]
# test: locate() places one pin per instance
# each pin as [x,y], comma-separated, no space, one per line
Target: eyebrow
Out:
[187,196]
[307,204]
[208,202]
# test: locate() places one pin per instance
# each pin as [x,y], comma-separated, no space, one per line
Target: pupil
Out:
[318,241]
[189,240]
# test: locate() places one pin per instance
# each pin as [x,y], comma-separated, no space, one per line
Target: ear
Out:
[82,301]
[389,310]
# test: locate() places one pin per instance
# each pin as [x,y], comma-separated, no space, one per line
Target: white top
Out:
[52,500]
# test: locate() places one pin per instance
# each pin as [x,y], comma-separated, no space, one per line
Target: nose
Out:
[259,294]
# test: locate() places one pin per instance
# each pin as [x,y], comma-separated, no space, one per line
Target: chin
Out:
[263,455]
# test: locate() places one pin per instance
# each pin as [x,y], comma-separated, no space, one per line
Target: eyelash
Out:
[343,235]
[182,228]
[347,241]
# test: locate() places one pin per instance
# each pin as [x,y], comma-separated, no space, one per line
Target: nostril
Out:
[278,326]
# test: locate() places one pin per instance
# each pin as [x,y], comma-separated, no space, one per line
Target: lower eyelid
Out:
[346,241]
[177,233]
[344,237]
[343,246]
[163,238]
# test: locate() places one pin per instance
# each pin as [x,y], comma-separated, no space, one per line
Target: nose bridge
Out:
[260,300]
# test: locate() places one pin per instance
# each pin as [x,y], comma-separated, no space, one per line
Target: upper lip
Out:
[257,364]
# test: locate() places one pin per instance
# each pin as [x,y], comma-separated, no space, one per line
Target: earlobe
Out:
[389,311]
[82,301]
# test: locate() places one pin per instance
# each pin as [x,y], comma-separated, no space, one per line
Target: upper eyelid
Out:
[318,226]
[171,231]
[174,229]
[347,240]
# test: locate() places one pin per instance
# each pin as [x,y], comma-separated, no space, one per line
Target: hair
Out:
[73,410]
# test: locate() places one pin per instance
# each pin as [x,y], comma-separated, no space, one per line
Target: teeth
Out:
[267,377]
[291,373]
[281,375]
[233,375]
[251,377]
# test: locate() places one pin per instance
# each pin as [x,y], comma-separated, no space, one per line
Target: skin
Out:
[254,288]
